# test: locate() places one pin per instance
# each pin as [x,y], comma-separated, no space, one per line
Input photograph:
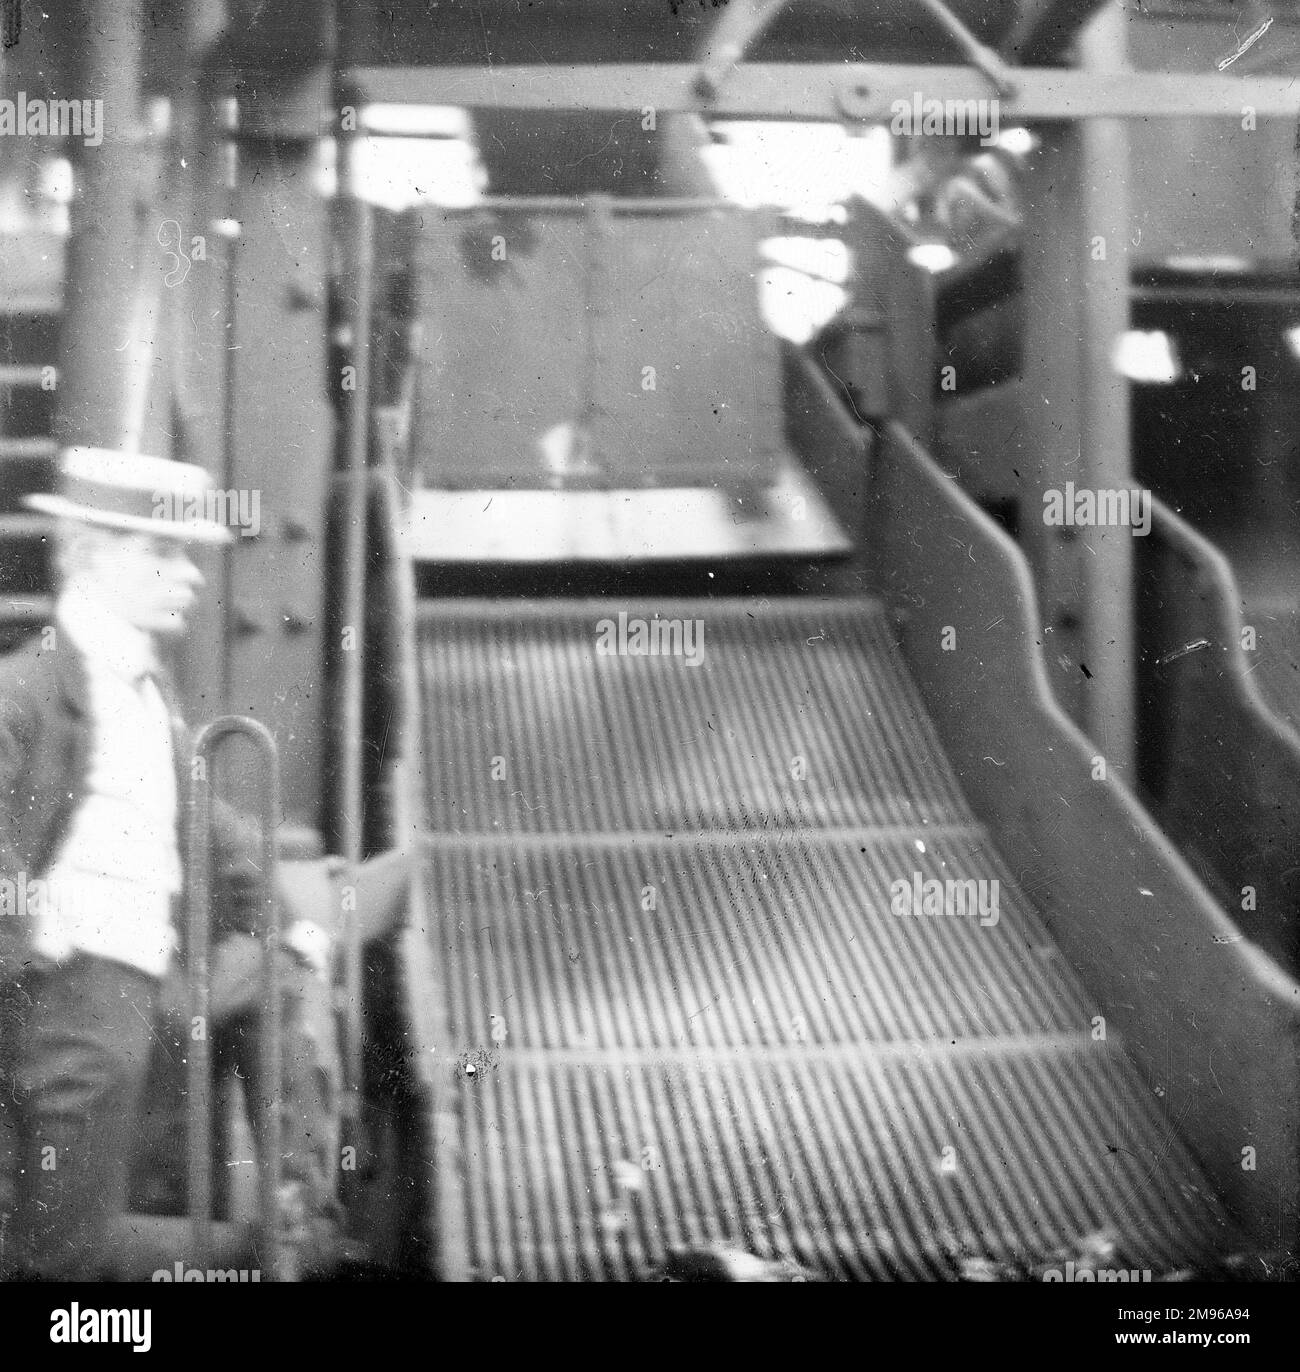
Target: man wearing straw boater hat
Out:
[91,846]
[93,763]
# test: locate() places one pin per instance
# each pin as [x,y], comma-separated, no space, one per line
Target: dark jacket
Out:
[45,753]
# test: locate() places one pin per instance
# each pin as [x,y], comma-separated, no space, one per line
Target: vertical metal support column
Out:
[96,372]
[281,423]
[893,316]
[1076,420]
[195,204]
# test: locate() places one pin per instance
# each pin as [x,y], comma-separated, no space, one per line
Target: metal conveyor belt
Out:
[670,1002]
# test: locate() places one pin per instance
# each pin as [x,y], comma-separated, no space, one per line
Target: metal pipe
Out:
[198,1058]
[357,286]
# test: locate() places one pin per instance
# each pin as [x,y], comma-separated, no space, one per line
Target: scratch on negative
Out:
[1192,647]
[1247,43]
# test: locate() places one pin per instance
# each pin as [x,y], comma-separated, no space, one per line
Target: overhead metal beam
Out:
[807,90]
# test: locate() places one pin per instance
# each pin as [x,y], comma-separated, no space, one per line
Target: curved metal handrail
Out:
[198,1057]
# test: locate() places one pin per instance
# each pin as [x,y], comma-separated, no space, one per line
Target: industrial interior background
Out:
[519,318]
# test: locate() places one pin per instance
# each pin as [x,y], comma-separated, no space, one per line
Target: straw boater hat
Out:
[147,495]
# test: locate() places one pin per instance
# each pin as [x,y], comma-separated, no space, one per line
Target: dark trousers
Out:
[92,1103]
[306,1092]
[78,1041]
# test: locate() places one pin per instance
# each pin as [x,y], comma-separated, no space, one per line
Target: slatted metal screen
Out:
[684,995]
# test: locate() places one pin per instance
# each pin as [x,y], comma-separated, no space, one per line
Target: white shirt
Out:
[110,888]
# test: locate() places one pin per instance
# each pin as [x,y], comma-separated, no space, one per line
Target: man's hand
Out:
[317,892]
[311,943]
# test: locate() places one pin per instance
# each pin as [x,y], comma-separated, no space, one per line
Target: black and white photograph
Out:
[650,641]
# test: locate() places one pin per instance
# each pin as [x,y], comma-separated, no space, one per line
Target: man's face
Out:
[150,581]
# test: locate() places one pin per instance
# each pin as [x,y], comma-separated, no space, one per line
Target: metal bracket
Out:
[983,58]
[733,35]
